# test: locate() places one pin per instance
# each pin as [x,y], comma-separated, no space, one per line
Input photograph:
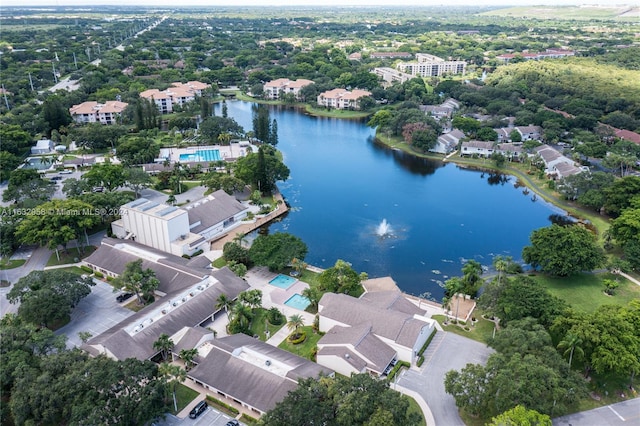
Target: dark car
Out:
[198,409]
[233,422]
[122,297]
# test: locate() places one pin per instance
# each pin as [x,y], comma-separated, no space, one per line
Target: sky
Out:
[168,3]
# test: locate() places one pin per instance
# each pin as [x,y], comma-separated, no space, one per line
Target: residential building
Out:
[276,88]
[43,146]
[628,136]
[251,372]
[94,112]
[443,111]
[479,148]
[432,66]
[547,54]
[530,133]
[390,75]
[180,315]
[512,151]
[176,230]
[390,55]
[556,164]
[177,94]
[342,98]
[371,332]
[448,142]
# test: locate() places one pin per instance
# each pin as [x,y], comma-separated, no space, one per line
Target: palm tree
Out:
[225,303]
[240,238]
[571,343]
[454,286]
[295,322]
[243,315]
[164,344]
[313,294]
[501,264]
[187,355]
[177,375]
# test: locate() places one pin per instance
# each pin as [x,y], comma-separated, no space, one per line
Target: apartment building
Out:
[342,98]
[276,88]
[94,112]
[427,65]
[177,94]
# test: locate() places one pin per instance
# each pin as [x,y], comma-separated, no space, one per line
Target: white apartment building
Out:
[431,66]
[275,88]
[342,98]
[177,94]
[94,112]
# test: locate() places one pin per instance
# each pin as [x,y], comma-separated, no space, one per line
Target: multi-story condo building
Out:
[177,94]
[342,98]
[547,54]
[276,88]
[432,66]
[94,112]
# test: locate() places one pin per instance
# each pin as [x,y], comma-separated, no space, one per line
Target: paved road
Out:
[37,261]
[447,351]
[620,414]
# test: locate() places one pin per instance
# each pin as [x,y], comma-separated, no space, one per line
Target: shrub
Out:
[85,268]
[275,317]
[221,404]
[296,338]
[397,368]
[426,344]
[98,274]
[420,361]
[109,279]
[233,251]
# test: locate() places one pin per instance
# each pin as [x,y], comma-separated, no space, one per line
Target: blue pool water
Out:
[202,155]
[298,301]
[282,281]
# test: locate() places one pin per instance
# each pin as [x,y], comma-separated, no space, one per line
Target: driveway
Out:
[211,417]
[96,313]
[447,351]
[622,413]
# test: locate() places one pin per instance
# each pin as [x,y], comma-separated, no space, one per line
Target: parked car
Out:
[66,172]
[233,422]
[98,189]
[198,409]
[122,297]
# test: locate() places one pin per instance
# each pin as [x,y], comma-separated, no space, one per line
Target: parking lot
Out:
[211,417]
[96,313]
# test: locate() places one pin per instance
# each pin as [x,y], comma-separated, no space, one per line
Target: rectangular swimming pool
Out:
[282,281]
[298,301]
[202,155]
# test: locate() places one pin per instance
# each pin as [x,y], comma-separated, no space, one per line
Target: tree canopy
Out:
[47,297]
[356,400]
[563,250]
[276,251]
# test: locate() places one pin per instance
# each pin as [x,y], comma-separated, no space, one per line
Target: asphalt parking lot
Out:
[96,313]
[211,417]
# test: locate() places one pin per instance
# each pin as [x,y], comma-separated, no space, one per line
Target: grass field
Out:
[184,395]
[480,332]
[69,257]
[10,264]
[415,408]
[585,292]
[259,324]
[305,349]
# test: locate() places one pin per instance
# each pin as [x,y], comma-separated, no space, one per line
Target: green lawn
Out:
[6,263]
[415,408]
[74,270]
[69,257]
[258,325]
[305,349]
[585,292]
[184,396]
[220,262]
[481,331]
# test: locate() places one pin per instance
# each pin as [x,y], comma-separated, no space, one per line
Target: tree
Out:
[47,297]
[241,317]
[313,295]
[276,251]
[262,169]
[107,175]
[571,343]
[137,150]
[520,416]
[56,223]
[14,139]
[295,322]
[618,196]
[73,188]
[563,250]
[224,302]
[173,374]
[188,355]
[228,183]
[141,282]
[252,298]
[27,188]
[164,344]
[359,400]
[454,286]
[55,113]
[8,162]
[341,278]
[137,179]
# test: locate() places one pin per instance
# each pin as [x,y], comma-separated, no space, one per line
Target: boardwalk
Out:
[245,228]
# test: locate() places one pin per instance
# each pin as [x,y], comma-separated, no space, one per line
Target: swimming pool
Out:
[282,281]
[298,301]
[202,155]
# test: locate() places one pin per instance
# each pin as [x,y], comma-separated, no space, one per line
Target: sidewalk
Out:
[184,413]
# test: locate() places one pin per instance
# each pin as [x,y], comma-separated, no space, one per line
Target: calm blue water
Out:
[298,301]
[202,155]
[282,281]
[343,185]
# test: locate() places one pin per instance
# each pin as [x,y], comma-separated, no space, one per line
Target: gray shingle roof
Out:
[122,345]
[213,209]
[397,326]
[174,272]
[253,383]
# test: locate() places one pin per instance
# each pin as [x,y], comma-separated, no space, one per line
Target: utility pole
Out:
[55,75]
[89,53]
[75,61]
[31,82]
[6,101]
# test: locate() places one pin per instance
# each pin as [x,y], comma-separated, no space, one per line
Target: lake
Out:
[344,187]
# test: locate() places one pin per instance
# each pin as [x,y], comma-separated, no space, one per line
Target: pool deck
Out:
[227,152]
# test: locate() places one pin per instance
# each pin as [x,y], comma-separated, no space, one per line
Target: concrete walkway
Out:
[627,276]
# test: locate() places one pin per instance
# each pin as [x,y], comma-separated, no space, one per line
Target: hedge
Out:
[98,274]
[221,404]
[426,344]
[85,268]
[396,369]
